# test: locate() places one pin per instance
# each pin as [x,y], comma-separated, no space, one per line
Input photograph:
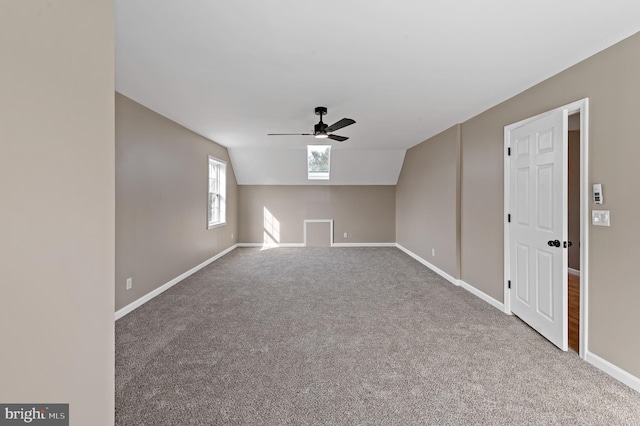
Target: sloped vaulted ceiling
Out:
[405,70]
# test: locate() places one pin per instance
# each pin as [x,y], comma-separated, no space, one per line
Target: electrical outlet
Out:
[345,235]
[232,236]
[433,252]
[129,283]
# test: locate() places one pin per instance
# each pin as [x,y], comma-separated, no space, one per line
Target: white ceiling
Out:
[233,71]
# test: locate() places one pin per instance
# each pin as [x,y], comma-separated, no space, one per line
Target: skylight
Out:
[318,158]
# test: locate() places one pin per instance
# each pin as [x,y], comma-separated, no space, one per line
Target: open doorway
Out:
[573,215]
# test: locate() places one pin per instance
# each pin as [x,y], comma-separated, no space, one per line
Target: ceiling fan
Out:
[322,130]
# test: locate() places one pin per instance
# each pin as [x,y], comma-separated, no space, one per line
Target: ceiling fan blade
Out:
[338,138]
[340,124]
[289,134]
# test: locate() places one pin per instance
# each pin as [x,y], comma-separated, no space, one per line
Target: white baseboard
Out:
[471,289]
[434,268]
[144,299]
[270,245]
[613,370]
[573,271]
[364,245]
[277,245]
[484,296]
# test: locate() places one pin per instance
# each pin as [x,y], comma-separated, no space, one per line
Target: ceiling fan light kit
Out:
[322,130]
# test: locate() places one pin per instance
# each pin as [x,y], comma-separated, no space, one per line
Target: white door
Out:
[538,226]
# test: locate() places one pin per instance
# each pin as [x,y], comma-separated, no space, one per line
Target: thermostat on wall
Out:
[597,193]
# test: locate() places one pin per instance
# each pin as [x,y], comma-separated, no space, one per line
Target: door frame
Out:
[580,106]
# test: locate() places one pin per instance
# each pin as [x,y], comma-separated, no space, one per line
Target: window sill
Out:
[216,225]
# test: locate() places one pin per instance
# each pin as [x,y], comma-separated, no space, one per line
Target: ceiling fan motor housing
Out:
[319,128]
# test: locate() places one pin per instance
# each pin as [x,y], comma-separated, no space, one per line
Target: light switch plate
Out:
[600,217]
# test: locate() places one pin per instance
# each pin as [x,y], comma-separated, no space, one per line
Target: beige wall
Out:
[427,200]
[161,200]
[57,206]
[366,213]
[610,80]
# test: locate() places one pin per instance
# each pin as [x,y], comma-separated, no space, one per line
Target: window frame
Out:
[220,167]
[313,175]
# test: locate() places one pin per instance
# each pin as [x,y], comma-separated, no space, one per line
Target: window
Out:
[217,192]
[318,157]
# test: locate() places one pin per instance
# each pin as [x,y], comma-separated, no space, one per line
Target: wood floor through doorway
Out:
[574,312]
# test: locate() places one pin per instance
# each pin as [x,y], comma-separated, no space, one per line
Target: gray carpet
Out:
[345,336]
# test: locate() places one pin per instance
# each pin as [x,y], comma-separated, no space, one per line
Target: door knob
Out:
[553,243]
